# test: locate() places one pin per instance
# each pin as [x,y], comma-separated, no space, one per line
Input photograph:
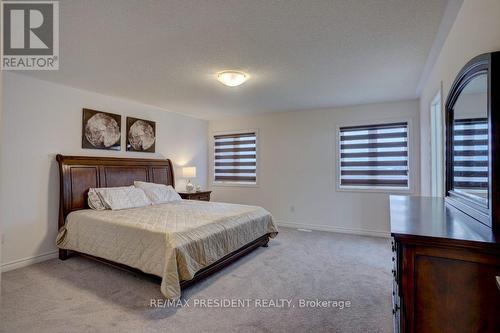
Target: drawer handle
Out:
[498,282]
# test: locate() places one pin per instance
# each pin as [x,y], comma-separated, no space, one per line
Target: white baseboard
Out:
[28,261]
[362,232]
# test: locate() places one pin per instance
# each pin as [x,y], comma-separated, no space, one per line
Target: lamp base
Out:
[189,186]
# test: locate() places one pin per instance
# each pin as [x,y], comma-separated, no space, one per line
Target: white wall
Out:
[297,167]
[42,119]
[471,106]
[476,30]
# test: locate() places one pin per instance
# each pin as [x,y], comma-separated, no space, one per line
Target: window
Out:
[235,158]
[374,156]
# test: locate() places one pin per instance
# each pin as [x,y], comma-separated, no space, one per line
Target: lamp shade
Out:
[189,172]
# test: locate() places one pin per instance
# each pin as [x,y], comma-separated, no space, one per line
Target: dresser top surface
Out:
[431,217]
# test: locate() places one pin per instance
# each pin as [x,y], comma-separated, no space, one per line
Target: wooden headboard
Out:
[79,173]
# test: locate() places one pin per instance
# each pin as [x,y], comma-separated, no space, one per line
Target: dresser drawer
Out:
[201,196]
[205,197]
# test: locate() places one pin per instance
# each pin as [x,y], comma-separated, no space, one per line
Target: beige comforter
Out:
[173,240]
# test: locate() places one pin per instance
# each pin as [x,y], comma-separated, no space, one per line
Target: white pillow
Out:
[158,193]
[123,197]
[94,200]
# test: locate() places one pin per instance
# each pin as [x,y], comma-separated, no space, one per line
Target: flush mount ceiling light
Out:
[232,78]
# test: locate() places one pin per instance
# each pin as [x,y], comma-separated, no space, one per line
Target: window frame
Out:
[215,183]
[437,146]
[378,189]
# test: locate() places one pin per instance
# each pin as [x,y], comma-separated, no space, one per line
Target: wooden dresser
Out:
[446,266]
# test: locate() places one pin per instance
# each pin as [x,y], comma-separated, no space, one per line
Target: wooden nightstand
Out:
[202,195]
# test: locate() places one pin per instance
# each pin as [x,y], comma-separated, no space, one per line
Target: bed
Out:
[180,242]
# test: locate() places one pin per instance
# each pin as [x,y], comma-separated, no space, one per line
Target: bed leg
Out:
[266,244]
[63,254]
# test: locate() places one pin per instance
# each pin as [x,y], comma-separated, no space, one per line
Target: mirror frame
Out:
[489,64]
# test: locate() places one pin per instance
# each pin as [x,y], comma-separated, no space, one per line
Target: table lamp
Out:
[189,172]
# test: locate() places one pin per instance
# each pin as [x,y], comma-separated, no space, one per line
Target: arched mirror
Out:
[470,141]
[472,138]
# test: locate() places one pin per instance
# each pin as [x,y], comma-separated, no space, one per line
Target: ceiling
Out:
[300,54]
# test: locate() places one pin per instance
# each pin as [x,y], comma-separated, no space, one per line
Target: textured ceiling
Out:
[300,54]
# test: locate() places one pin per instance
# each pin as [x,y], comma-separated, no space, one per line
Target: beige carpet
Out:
[79,295]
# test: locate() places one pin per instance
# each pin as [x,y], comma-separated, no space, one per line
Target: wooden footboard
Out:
[227,260]
[200,275]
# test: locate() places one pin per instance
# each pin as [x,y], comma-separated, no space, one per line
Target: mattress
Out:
[173,240]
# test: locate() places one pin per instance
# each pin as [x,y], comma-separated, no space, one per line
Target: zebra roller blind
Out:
[235,158]
[470,155]
[374,156]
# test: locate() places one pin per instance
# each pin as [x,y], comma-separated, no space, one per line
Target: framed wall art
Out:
[141,135]
[101,130]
